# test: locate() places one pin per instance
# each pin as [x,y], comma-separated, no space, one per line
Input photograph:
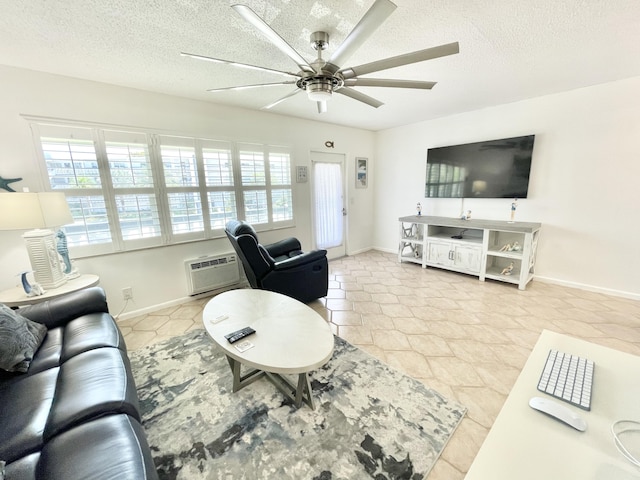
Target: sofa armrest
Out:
[299,260]
[283,247]
[59,311]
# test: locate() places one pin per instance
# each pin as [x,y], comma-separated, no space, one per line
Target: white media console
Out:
[494,249]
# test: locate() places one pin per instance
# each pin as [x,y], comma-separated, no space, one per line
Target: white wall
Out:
[584,188]
[584,184]
[157,275]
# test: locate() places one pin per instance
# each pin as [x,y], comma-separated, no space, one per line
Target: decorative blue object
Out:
[63,250]
[31,290]
[4,183]
[25,283]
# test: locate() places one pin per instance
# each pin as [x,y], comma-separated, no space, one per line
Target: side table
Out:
[16,297]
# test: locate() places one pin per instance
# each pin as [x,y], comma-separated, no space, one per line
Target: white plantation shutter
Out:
[132,189]
[281,193]
[217,159]
[266,184]
[72,166]
[135,198]
[253,176]
[182,183]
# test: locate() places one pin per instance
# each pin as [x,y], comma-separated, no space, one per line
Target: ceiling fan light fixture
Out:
[319,96]
[319,89]
[321,78]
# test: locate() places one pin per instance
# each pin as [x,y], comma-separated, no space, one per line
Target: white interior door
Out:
[328,205]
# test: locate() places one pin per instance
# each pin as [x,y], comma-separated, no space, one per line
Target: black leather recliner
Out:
[282,266]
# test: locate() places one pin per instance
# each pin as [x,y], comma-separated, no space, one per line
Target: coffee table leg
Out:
[240,381]
[304,386]
[297,394]
[302,391]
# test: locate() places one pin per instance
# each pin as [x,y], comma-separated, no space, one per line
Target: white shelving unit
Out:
[498,250]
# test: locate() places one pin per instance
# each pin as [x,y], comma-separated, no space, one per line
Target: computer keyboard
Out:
[568,377]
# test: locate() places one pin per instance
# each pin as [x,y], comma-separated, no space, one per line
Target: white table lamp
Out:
[40,211]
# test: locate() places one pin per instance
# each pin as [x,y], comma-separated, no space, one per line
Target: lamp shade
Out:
[25,211]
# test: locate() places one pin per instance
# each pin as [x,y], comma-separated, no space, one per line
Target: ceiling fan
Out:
[321,78]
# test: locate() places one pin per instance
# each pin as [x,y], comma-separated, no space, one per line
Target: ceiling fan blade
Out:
[368,24]
[245,87]
[322,107]
[361,97]
[380,82]
[271,105]
[271,35]
[237,64]
[406,59]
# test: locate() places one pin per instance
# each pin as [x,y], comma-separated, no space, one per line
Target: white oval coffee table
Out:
[291,338]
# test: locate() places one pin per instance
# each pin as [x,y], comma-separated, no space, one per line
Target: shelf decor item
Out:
[514,206]
[31,290]
[38,213]
[507,270]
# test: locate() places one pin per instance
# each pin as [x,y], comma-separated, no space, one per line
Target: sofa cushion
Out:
[110,448]
[48,355]
[24,412]
[88,332]
[90,385]
[59,311]
[19,340]
[82,334]
[23,469]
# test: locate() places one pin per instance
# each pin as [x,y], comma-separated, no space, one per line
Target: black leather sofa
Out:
[282,266]
[74,414]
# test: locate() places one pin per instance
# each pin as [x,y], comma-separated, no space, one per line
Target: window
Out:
[266,184]
[135,189]
[135,199]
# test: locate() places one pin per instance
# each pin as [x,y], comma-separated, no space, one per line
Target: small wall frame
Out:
[362,172]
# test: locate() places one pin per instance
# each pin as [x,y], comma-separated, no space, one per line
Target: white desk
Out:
[526,444]
[16,297]
[290,338]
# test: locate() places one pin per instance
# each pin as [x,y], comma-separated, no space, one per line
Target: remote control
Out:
[239,334]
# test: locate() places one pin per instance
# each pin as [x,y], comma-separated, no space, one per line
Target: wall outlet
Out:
[127,293]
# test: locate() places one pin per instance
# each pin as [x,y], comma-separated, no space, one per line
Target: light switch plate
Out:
[301,174]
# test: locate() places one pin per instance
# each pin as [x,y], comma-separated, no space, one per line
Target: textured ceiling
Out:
[509,49]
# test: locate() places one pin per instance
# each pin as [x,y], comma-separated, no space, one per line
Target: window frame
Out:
[102,135]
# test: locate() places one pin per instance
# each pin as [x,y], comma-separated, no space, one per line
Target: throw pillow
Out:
[20,338]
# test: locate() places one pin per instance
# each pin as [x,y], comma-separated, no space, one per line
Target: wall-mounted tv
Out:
[491,169]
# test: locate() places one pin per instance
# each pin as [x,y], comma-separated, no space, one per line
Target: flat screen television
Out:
[490,169]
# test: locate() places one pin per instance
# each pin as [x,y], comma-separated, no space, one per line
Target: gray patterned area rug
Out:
[370,421]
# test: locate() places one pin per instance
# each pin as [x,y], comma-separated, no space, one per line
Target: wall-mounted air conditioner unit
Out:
[210,273]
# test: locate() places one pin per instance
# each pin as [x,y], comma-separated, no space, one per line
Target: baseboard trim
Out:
[362,250]
[542,279]
[589,288]
[178,301]
[563,283]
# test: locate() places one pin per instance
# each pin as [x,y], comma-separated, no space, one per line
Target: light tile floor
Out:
[465,338]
